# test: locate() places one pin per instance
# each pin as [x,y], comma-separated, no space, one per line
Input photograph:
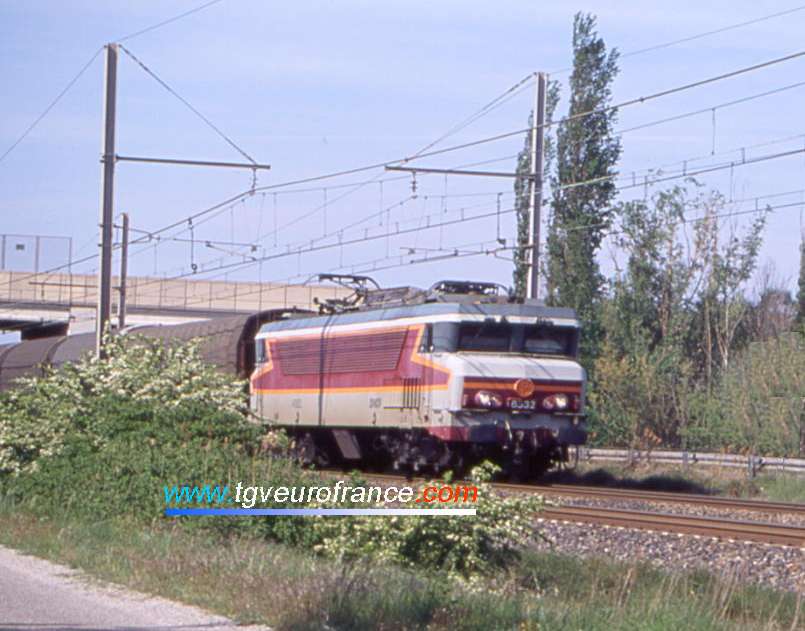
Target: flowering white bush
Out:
[40,412]
[463,546]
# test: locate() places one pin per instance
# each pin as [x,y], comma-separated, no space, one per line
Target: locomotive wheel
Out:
[304,449]
[312,454]
[528,467]
[539,463]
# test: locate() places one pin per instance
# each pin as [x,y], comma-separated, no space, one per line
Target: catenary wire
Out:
[569,186]
[230,200]
[519,85]
[70,84]
[633,101]
[611,232]
[460,254]
[154,27]
[51,105]
[307,250]
[691,38]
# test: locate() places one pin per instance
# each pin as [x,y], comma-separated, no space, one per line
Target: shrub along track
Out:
[716,527]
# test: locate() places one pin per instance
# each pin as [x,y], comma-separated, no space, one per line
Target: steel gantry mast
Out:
[108,160]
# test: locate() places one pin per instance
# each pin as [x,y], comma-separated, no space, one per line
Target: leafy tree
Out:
[724,269]
[674,318]
[647,301]
[775,311]
[587,149]
[643,373]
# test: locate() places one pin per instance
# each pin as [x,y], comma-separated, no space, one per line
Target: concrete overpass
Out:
[40,305]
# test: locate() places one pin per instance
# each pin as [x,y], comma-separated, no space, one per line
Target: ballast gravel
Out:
[778,567]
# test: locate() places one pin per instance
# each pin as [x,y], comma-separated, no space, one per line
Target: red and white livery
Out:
[430,379]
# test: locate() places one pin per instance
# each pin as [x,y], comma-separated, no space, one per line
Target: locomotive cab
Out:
[518,389]
[426,380]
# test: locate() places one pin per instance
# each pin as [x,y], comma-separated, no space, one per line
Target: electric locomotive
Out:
[425,380]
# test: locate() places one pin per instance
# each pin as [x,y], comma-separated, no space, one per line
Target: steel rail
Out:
[685,524]
[760,506]
[713,501]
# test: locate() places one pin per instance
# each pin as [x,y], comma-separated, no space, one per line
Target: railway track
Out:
[592,492]
[662,522]
[684,524]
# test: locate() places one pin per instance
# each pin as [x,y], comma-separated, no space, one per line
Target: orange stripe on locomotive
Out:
[366,361]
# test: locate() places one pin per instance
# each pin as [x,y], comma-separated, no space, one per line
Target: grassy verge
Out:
[251,580]
[779,487]
[104,438]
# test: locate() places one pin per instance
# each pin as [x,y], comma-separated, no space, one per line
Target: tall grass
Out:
[596,594]
[782,488]
[254,581]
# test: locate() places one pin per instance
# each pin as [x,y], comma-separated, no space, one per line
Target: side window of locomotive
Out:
[426,343]
[444,337]
[260,352]
[484,336]
[548,340]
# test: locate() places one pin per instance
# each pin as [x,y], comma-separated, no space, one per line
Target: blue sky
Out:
[314,87]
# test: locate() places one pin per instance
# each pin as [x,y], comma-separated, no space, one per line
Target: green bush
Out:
[652,400]
[134,449]
[639,400]
[142,451]
[39,415]
[102,439]
[461,546]
[761,397]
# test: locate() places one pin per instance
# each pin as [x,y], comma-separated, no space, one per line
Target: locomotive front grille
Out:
[412,392]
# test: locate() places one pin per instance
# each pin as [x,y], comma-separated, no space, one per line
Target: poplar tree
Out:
[522,188]
[587,150]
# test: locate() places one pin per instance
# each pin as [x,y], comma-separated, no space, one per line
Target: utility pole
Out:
[107,198]
[534,177]
[535,195]
[124,265]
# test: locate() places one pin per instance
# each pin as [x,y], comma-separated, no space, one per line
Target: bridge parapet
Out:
[38,299]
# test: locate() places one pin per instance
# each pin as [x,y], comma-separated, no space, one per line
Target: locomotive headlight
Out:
[561,401]
[487,399]
[557,402]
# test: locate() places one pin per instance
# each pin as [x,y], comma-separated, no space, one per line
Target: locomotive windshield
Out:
[484,337]
[504,337]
